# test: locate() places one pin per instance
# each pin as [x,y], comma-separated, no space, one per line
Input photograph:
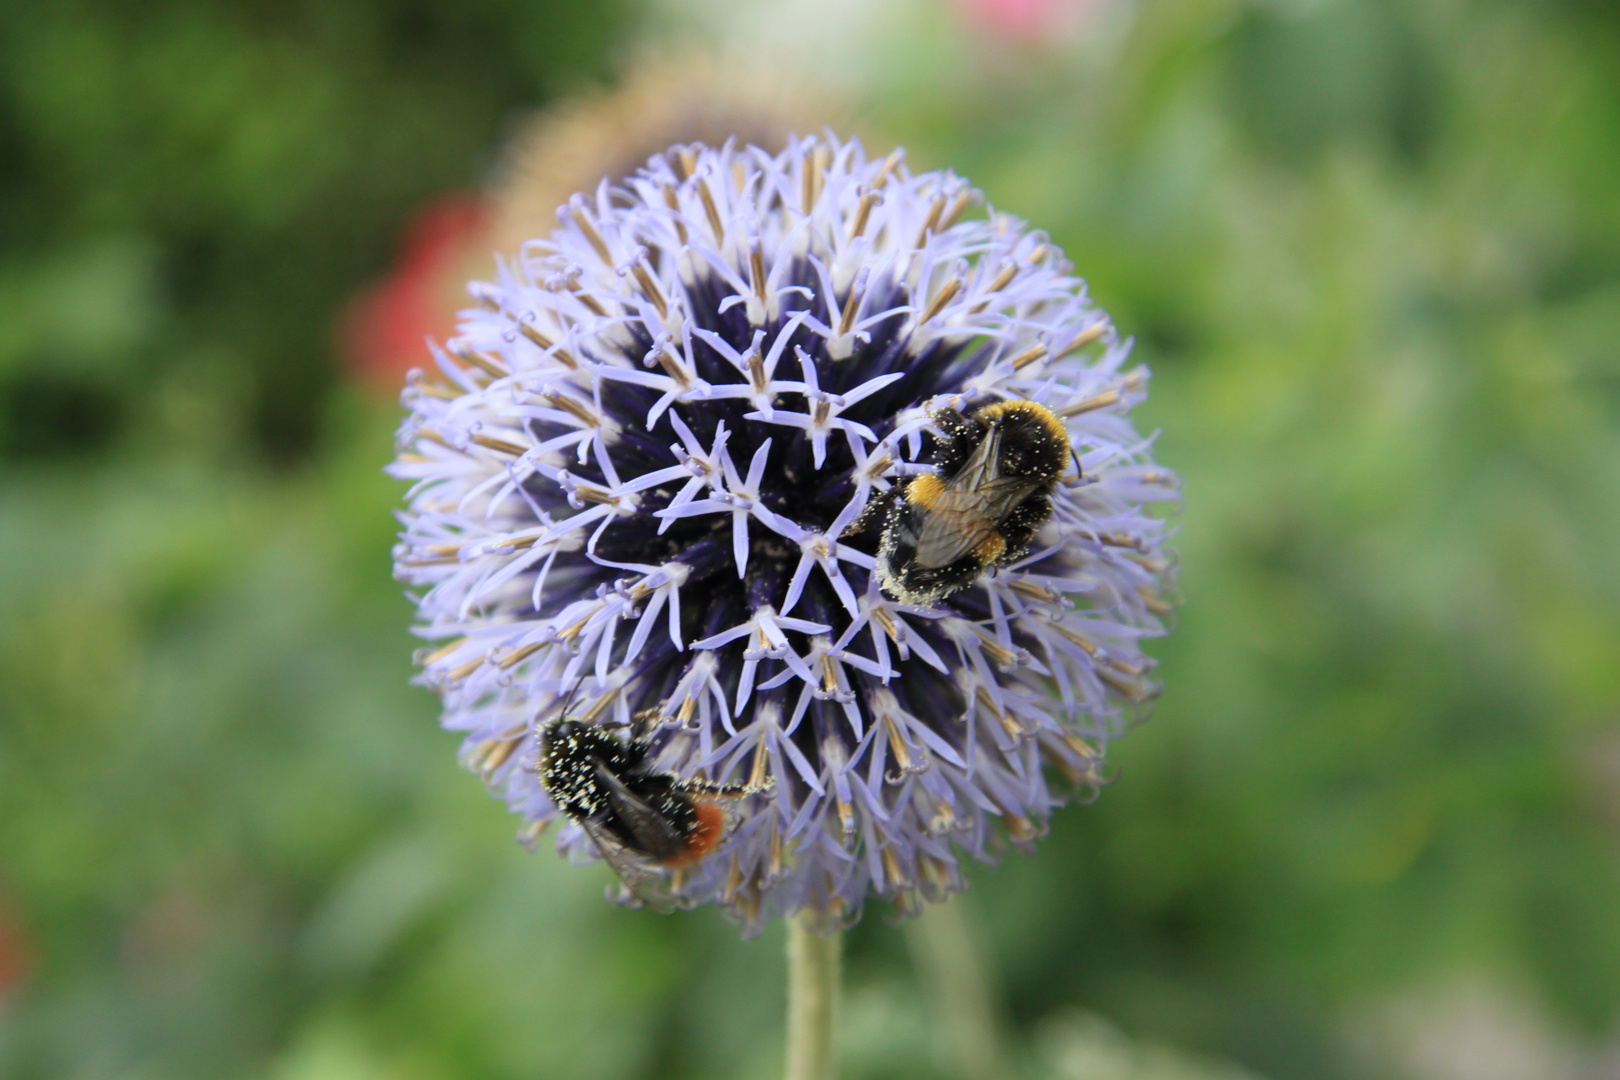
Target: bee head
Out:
[564,728]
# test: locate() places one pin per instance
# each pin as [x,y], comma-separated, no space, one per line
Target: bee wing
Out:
[649,830]
[639,880]
[973,502]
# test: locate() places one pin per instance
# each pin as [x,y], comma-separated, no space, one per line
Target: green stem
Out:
[952,963]
[813,961]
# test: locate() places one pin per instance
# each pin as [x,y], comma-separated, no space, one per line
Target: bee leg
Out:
[699,786]
[876,509]
[1019,526]
[641,722]
[961,436]
[952,422]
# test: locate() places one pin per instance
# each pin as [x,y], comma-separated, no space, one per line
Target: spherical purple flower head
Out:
[633,477]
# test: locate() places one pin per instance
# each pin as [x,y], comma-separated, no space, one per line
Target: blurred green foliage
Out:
[222,172]
[1372,252]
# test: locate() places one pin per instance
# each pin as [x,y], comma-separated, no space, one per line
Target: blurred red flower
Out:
[16,952]
[381,330]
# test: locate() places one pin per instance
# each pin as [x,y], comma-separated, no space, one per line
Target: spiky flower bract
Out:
[634,468]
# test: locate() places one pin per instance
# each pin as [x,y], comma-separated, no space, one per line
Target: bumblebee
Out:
[640,818]
[989,492]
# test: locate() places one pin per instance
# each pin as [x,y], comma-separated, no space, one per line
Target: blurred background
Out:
[1371,250]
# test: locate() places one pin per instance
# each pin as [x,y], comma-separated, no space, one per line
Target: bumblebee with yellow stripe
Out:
[989,492]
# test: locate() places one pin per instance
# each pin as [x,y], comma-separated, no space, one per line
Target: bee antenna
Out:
[569,700]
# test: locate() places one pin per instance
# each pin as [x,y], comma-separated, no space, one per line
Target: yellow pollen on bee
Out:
[924,490]
[993,547]
[1049,420]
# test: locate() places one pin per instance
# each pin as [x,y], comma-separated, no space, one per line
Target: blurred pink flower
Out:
[1028,21]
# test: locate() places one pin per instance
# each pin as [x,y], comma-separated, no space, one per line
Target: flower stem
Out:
[812,1014]
[952,962]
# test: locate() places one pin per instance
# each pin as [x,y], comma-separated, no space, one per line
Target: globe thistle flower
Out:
[634,472]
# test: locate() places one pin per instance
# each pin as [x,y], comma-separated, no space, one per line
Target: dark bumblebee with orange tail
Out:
[640,818]
[989,493]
